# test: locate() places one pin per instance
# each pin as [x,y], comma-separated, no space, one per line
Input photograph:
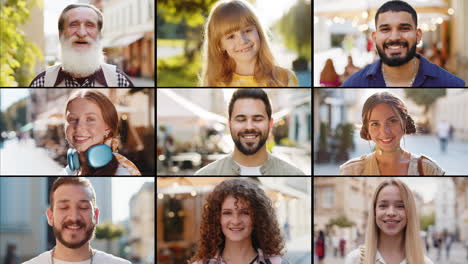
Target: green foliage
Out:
[295,27]
[341,221]
[427,220]
[18,56]
[15,115]
[193,11]
[287,142]
[178,71]
[170,42]
[424,97]
[109,231]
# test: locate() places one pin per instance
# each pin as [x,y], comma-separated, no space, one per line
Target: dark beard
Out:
[397,61]
[250,151]
[89,235]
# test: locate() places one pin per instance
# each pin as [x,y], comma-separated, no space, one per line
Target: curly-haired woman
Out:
[385,120]
[239,226]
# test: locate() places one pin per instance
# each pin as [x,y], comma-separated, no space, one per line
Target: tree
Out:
[295,27]
[109,231]
[425,97]
[17,54]
[341,221]
[427,220]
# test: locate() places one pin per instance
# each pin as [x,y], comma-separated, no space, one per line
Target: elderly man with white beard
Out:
[82,56]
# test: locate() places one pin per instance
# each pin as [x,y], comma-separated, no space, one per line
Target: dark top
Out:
[429,75]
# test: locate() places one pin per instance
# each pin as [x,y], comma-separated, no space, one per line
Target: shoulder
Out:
[353,257]
[123,79]
[431,167]
[427,260]
[103,257]
[284,167]
[126,167]
[278,260]
[67,171]
[213,167]
[359,78]
[38,81]
[354,166]
[292,79]
[42,258]
[443,77]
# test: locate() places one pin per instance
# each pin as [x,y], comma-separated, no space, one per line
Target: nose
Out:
[74,214]
[243,38]
[249,124]
[385,129]
[81,32]
[391,210]
[395,35]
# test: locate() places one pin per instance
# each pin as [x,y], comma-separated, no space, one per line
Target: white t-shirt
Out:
[249,170]
[99,258]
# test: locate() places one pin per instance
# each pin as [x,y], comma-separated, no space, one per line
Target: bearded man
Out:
[82,64]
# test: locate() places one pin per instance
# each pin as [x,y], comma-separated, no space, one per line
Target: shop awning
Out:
[123,40]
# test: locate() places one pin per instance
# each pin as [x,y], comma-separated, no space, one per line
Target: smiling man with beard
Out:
[73,215]
[396,38]
[250,123]
[83,64]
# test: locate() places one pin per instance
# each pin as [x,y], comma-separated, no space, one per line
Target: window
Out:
[328,197]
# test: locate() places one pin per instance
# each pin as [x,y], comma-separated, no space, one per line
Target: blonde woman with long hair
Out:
[236,50]
[392,235]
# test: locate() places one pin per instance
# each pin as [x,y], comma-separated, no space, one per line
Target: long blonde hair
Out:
[218,68]
[413,247]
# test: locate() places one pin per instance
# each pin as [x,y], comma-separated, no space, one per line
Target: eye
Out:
[374,124]
[90,119]
[230,37]
[382,206]
[72,119]
[240,119]
[226,213]
[258,119]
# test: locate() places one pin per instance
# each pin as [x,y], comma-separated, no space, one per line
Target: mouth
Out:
[391,223]
[236,229]
[395,49]
[80,43]
[80,140]
[74,228]
[387,140]
[249,137]
[246,49]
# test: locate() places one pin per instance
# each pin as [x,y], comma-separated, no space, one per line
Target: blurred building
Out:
[445,205]
[453,109]
[427,208]
[459,38]
[128,35]
[343,196]
[34,31]
[23,222]
[461,205]
[141,237]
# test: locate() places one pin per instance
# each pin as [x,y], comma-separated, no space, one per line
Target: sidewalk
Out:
[299,250]
[142,82]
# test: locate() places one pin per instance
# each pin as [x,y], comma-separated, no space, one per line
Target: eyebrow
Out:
[89,113]
[242,209]
[386,119]
[80,201]
[78,20]
[386,201]
[254,116]
[401,24]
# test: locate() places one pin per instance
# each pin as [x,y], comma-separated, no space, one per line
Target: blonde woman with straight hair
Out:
[236,50]
[392,235]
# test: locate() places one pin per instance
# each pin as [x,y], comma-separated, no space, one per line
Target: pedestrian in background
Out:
[320,247]
[11,257]
[443,129]
[336,244]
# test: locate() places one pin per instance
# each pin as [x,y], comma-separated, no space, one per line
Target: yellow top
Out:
[249,81]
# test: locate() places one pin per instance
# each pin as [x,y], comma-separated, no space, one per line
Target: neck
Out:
[72,254]
[401,75]
[253,160]
[246,67]
[239,252]
[391,244]
[390,158]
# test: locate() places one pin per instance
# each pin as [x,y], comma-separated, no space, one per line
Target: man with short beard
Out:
[396,38]
[73,215]
[250,123]
[82,57]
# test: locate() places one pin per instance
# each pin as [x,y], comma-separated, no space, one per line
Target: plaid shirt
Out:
[122,80]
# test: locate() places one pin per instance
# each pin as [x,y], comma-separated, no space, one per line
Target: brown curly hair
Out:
[266,233]
[407,123]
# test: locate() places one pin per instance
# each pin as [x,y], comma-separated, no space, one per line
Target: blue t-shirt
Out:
[429,75]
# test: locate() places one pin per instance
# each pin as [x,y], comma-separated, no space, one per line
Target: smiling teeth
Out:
[73,227]
[387,140]
[81,138]
[236,229]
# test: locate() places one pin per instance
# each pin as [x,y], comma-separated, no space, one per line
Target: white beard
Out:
[84,62]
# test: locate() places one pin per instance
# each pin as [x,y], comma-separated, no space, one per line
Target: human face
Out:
[385,127]
[390,212]
[242,45]
[249,125]
[73,218]
[81,26]
[85,126]
[236,219]
[396,37]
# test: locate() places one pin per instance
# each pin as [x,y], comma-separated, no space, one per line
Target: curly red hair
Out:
[266,233]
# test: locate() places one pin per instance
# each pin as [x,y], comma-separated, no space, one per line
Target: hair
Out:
[72,6]
[265,234]
[412,241]
[254,93]
[397,6]
[406,121]
[110,117]
[328,73]
[72,181]
[225,17]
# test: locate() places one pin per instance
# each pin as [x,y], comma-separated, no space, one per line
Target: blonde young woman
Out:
[392,235]
[385,120]
[236,51]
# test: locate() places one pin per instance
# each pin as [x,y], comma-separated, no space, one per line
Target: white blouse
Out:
[355,256]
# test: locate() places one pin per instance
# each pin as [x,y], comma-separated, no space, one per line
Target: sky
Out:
[122,190]
[10,96]
[426,186]
[52,10]
[271,10]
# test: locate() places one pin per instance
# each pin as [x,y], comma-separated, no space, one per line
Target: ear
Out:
[50,217]
[418,35]
[96,215]
[373,36]
[271,123]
